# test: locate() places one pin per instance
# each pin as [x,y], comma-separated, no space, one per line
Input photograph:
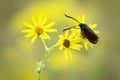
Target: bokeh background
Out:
[18,56]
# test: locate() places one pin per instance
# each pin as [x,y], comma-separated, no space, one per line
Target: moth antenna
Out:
[69,28]
[71,18]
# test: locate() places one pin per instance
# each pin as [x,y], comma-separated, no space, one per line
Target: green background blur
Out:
[18,56]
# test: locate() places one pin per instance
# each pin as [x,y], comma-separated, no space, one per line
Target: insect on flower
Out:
[86,31]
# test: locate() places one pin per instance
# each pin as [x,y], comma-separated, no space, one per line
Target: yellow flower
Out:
[38,28]
[68,42]
[86,43]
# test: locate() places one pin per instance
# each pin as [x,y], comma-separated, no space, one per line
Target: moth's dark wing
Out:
[90,35]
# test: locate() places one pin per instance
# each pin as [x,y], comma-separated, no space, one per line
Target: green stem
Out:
[48,50]
[51,48]
[38,76]
[46,55]
[44,58]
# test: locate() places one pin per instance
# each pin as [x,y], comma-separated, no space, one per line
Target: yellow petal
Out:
[28,25]
[97,32]
[29,35]
[49,25]
[83,19]
[61,37]
[76,40]
[76,31]
[66,54]
[44,20]
[75,46]
[90,44]
[45,36]
[39,20]
[66,34]
[93,26]
[79,18]
[26,31]
[61,47]
[34,38]
[71,35]
[86,47]
[50,30]
[34,21]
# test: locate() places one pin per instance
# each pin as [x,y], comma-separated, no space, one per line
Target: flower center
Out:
[66,43]
[39,30]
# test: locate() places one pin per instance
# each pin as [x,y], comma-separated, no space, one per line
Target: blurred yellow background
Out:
[18,56]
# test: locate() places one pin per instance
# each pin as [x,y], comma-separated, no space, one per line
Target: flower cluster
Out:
[75,39]
[69,39]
